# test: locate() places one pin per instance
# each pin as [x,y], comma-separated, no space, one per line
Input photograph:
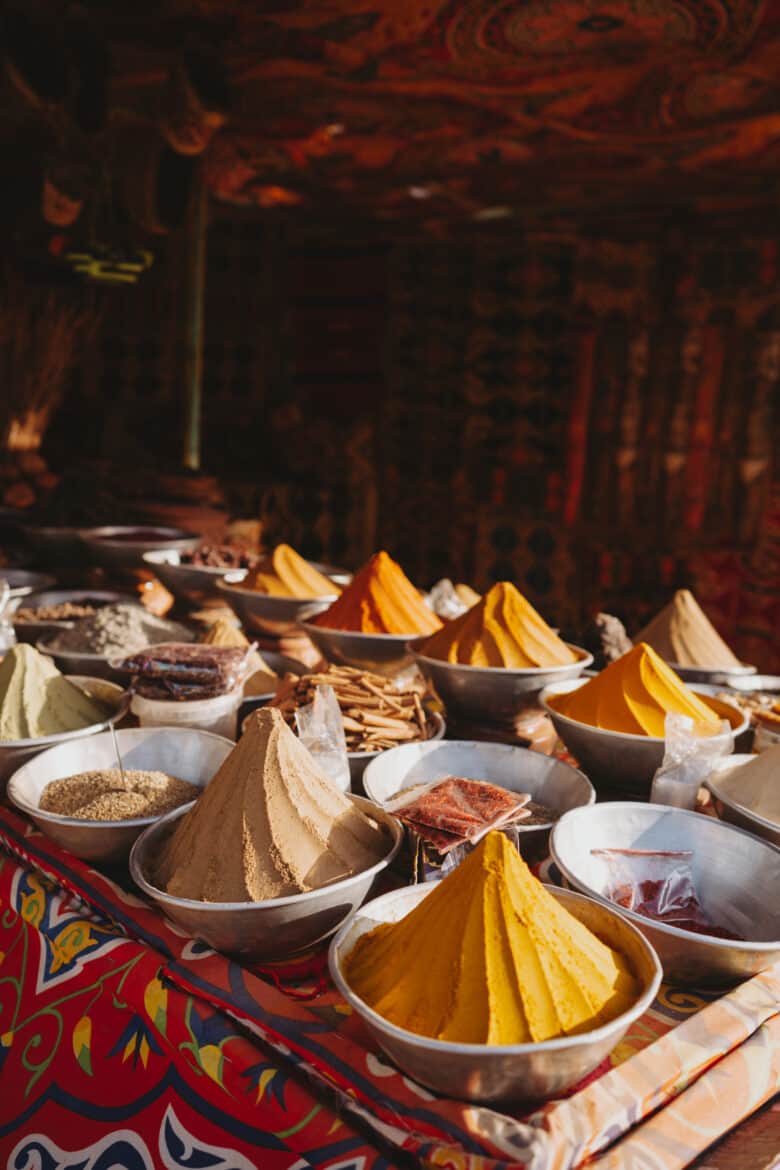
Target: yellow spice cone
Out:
[503,629]
[634,695]
[287,574]
[490,957]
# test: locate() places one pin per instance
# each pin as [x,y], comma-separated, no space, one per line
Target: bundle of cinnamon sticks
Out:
[375,715]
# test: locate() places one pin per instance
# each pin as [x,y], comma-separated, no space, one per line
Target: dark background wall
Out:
[592,412]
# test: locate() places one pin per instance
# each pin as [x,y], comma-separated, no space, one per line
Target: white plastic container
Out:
[217,715]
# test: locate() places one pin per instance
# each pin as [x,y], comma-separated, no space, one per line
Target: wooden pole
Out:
[194,296]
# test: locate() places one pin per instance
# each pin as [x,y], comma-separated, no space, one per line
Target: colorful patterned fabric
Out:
[116,1028]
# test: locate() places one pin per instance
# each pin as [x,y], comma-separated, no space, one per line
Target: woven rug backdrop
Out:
[594,415]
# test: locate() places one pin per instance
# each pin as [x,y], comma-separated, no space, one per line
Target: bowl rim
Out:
[673,931]
[79,732]
[451,1047]
[388,639]
[163,898]
[42,646]
[169,536]
[33,810]
[572,684]
[740,671]
[427,745]
[150,557]
[110,596]
[583,662]
[729,801]
[42,582]
[229,587]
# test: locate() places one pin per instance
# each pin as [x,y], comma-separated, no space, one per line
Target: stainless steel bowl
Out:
[728,809]
[549,781]
[32,632]
[259,613]
[54,544]
[194,584]
[619,761]
[13,753]
[506,1072]
[22,583]
[342,577]
[127,554]
[261,930]
[732,872]
[184,752]
[359,762]
[492,693]
[386,654]
[77,662]
[713,676]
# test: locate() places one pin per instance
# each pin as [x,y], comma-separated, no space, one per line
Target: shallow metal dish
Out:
[713,676]
[78,662]
[732,872]
[13,753]
[259,613]
[194,584]
[262,930]
[33,631]
[184,752]
[492,693]
[386,654]
[728,809]
[128,554]
[507,1072]
[616,759]
[549,781]
[22,583]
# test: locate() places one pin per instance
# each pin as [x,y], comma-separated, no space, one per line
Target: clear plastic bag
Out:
[657,884]
[321,729]
[187,670]
[687,762]
[455,809]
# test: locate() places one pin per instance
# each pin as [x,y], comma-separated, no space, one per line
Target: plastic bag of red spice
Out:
[657,884]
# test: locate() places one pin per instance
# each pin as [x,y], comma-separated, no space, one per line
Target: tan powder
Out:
[106,795]
[269,824]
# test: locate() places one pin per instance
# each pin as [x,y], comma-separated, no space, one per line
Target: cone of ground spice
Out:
[380,600]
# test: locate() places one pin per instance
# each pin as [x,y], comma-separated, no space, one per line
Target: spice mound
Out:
[504,630]
[269,824]
[683,634]
[375,715]
[380,600]
[633,695]
[107,795]
[119,629]
[490,957]
[36,700]
[285,573]
[66,611]
[261,679]
[219,556]
[755,785]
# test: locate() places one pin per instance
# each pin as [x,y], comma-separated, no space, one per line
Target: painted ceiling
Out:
[475,108]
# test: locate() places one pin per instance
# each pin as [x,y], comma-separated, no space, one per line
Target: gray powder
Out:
[117,630]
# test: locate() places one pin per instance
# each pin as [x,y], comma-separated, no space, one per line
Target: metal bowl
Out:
[616,759]
[728,809]
[194,584]
[33,631]
[21,583]
[184,752]
[549,781]
[492,693]
[259,613]
[79,662]
[714,676]
[261,930]
[13,753]
[732,872]
[386,654]
[54,544]
[342,577]
[505,1072]
[123,553]
[359,762]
